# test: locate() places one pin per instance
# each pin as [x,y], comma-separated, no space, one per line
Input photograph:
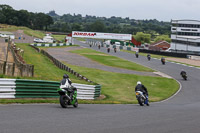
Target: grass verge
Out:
[110,60]
[60,38]
[119,88]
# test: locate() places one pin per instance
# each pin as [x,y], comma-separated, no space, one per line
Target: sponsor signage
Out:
[97,35]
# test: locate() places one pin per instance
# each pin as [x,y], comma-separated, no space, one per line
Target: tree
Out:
[98,26]
[48,21]
[24,17]
[142,37]
[163,38]
[76,27]
[2,18]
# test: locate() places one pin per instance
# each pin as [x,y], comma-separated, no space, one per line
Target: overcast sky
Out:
[164,10]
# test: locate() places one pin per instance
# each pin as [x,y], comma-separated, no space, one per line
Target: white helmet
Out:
[139,83]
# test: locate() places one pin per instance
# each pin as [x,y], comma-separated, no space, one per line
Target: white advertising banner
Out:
[97,35]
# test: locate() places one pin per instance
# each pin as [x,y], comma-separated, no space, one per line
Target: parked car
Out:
[37,40]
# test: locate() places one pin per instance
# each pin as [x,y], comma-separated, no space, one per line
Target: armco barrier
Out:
[50,45]
[21,88]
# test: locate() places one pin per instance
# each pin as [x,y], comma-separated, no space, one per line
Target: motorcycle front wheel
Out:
[63,101]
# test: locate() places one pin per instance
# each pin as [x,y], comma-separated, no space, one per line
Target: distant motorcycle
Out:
[99,46]
[108,50]
[184,75]
[136,55]
[141,98]
[115,50]
[163,61]
[149,57]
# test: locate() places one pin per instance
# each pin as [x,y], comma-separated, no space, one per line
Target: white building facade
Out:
[185,35]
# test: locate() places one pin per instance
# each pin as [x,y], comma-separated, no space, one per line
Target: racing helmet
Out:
[65,76]
[139,83]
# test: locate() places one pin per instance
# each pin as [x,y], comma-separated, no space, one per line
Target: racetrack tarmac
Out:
[90,118]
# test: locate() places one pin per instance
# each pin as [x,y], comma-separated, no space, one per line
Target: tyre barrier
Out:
[22,88]
[50,45]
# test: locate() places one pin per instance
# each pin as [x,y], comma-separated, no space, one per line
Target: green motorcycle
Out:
[65,99]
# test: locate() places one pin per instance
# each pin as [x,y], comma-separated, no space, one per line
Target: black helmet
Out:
[65,76]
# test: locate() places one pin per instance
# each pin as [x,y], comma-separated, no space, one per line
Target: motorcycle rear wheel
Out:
[76,104]
[63,101]
[140,101]
[184,77]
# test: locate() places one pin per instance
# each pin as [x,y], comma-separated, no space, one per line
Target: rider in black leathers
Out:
[183,72]
[142,88]
[148,56]
[163,60]
[66,84]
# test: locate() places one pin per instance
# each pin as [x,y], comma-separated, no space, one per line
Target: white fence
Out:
[21,88]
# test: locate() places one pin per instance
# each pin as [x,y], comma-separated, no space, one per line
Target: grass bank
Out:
[109,60]
[60,38]
[26,30]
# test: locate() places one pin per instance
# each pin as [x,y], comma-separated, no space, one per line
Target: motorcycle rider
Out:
[148,56]
[142,88]
[136,54]
[163,60]
[108,50]
[115,49]
[183,73]
[66,84]
[99,46]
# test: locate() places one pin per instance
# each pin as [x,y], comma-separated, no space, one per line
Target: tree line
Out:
[36,21]
[68,23]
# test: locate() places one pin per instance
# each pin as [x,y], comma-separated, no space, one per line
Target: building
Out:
[6,34]
[48,39]
[185,35]
[160,45]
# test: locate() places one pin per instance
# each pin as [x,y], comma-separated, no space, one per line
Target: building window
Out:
[186,42]
[186,25]
[185,29]
[188,34]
